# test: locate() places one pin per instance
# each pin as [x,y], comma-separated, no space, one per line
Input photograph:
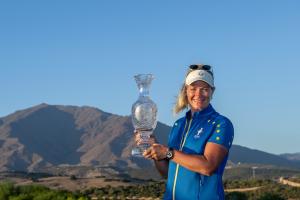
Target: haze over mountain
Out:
[291,156]
[50,135]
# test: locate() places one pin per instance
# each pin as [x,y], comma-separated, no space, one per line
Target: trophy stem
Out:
[144,145]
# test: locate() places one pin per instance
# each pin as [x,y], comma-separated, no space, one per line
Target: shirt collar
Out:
[206,111]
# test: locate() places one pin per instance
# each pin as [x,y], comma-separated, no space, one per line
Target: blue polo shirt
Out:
[190,136]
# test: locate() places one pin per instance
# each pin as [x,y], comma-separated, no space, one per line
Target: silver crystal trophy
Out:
[143,112]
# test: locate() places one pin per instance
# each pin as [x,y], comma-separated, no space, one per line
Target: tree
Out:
[236,196]
[270,196]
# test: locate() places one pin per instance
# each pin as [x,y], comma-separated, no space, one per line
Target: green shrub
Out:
[6,189]
[73,177]
[270,196]
[236,196]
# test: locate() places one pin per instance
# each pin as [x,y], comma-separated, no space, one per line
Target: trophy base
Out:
[139,150]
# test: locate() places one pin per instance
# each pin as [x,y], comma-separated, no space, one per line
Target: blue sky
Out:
[87,52]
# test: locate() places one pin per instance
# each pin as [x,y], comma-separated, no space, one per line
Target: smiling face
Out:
[199,94]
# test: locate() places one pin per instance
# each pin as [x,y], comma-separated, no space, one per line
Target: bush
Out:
[73,177]
[270,196]
[236,196]
[6,189]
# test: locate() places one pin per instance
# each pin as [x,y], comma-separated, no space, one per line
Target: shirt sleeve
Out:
[223,133]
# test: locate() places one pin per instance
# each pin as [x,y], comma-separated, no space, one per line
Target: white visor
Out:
[200,75]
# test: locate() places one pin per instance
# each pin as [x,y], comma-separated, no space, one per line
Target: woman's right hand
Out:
[156,152]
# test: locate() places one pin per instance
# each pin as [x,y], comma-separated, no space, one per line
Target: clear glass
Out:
[143,113]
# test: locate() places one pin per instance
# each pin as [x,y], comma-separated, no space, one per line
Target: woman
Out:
[198,145]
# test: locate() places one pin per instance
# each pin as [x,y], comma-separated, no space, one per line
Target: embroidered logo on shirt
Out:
[197,136]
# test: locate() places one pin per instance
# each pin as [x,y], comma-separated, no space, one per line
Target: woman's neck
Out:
[198,110]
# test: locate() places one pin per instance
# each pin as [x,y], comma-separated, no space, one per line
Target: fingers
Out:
[140,140]
[148,153]
[137,137]
[151,141]
[155,152]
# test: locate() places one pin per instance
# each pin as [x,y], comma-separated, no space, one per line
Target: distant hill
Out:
[240,154]
[291,156]
[45,135]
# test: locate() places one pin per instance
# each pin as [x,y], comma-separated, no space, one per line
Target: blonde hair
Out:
[181,100]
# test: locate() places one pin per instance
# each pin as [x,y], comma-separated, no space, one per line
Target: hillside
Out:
[46,136]
[291,156]
[240,154]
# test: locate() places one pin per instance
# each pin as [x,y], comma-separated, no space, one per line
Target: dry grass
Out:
[66,183]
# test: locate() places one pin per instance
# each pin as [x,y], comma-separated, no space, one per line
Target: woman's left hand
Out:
[156,152]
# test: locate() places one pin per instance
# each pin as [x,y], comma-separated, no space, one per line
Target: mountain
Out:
[291,156]
[240,154]
[50,135]
[46,136]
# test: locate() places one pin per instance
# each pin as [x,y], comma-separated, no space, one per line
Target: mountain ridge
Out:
[291,156]
[45,136]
